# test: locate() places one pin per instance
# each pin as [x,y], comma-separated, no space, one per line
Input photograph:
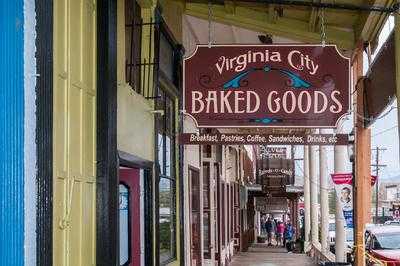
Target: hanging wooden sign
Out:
[272,152]
[266,86]
[273,139]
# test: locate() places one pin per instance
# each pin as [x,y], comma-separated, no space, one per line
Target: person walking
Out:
[288,237]
[279,236]
[263,224]
[270,230]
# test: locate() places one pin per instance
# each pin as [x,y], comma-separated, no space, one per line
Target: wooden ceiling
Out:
[345,28]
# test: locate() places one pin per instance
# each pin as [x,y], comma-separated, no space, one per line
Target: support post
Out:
[340,158]
[397,61]
[362,181]
[307,207]
[314,194]
[323,186]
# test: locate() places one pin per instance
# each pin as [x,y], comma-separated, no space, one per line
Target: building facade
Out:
[96,94]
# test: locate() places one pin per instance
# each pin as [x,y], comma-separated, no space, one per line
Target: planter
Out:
[261,239]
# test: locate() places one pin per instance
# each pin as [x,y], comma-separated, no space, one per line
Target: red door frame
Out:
[131,178]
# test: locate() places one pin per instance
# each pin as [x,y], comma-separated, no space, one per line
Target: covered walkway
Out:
[262,255]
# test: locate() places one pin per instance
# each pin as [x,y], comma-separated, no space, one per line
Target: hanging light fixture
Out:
[265,39]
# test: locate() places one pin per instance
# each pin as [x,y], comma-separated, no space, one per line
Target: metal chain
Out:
[323,33]
[209,23]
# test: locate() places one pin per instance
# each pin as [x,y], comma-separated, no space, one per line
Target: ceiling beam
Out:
[285,27]
[313,18]
[230,7]
[272,15]
[306,3]
[147,3]
[370,24]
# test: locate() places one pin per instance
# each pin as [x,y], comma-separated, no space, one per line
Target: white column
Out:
[397,60]
[340,158]
[258,225]
[307,207]
[323,186]
[313,194]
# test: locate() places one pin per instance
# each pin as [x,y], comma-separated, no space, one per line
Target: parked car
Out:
[392,222]
[383,243]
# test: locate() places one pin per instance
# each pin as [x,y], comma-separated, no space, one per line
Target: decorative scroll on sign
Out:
[266,86]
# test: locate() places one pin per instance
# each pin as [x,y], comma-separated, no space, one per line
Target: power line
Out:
[386,130]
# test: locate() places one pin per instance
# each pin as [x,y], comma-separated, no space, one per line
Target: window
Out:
[223,215]
[390,241]
[124,227]
[207,151]
[169,55]
[232,210]
[194,203]
[216,207]
[167,219]
[206,211]
[166,57]
[133,44]
[167,182]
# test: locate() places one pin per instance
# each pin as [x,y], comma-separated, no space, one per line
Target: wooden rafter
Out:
[313,18]
[272,13]
[369,24]
[258,21]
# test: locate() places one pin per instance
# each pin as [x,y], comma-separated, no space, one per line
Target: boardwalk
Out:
[261,255]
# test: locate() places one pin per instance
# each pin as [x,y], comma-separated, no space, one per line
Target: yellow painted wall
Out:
[135,122]
[74,133]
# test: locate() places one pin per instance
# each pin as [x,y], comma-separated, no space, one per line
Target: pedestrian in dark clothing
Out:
[263,225]
[288,235]
[271,228]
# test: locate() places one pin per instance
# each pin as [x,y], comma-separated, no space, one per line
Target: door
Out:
[74,133]
[195,222]
[129,216]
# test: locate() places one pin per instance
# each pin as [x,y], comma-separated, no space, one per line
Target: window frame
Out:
[172,88]
[206,190]
[133,60]
[162,173]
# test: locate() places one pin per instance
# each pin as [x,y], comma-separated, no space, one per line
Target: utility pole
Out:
[377,166]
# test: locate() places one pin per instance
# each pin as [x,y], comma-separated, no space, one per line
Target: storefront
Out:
[148,103]
[108,158]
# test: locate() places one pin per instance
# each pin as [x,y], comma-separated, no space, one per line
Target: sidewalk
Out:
[262,255]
